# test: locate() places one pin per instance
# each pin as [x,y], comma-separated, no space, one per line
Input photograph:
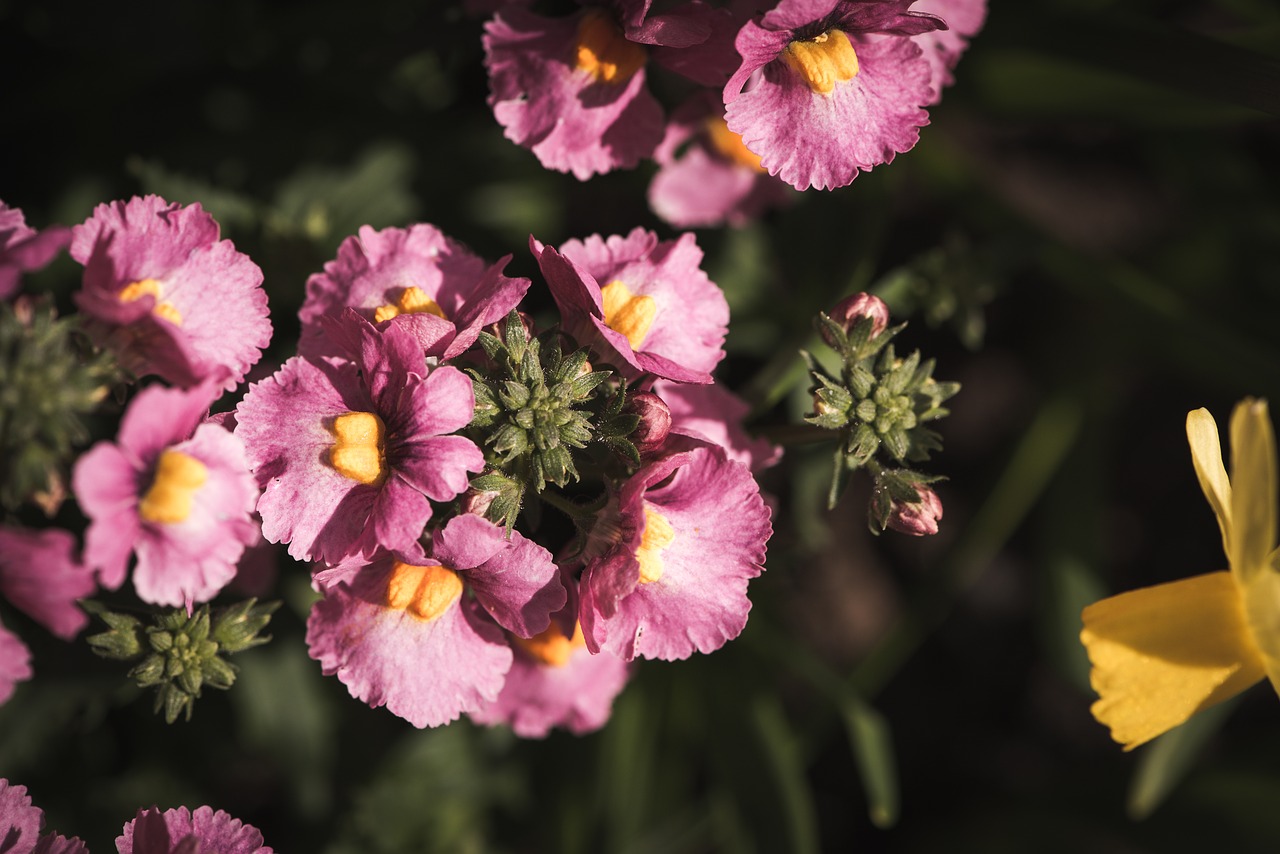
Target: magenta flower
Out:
[555,681]
[23,249]
[181,830]
[408,636]
[15,663]
[40,576]
[416,277]
[668,559]
[943,48]
[167,295]
[351,452]
[20,824]
[572,90]
[828,87]
[708,177]
[174,492]
[645,305]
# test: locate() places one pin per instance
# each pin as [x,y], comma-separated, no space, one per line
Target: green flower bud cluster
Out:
[879,403]
[181,654]
[48,381]
[537,410]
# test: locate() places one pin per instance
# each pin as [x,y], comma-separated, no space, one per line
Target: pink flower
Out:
[23,249]
[351,453]
[173,491]
[714,413]
[943,48]
[167,295]
[417,278]
[408,636]
[708,177]
[853,308]
[20,824]
[645,305]
[15,663]
[573,90]
[829,87]
[668,560]
[40,576]
[181,830]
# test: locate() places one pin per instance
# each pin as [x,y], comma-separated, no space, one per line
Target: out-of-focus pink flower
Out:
[154,832]
[23,249]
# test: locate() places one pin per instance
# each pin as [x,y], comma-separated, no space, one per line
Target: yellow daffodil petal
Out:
[1261,598]
[1160,654]
[1253,490]
[1206,456]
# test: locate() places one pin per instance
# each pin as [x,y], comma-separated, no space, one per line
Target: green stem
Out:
[575,511]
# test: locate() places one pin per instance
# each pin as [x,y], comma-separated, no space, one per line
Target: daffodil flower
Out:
[1160,654]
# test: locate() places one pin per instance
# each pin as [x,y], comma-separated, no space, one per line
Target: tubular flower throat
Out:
[730,146]
[603,52]
[135,291]
[358,451]
[823,61]
[551,647]
[424,592]
[1160,654]
[169,499]
[658,535]
[627,313]
[413,300]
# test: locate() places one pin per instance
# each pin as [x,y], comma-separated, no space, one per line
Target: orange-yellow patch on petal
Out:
[357,452]
[170,497]
[135,291]
[604,52]
[1160,654]
[823,61]
[627,313]
[412,300]
[730,145]
[424,592]
[658,535]
[552,647]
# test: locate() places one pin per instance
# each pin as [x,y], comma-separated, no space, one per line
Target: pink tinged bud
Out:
[655,421]
[477,501]
[849,310]
[918,518]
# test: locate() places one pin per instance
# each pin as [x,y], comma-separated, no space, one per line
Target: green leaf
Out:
[872,744]
[1168,759]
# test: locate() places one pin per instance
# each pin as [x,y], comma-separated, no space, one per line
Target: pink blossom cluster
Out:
[170,501]
[800,92]
[149,832]
[360,443]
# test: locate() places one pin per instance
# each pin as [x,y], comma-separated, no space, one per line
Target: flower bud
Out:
[918,518]
[478,501]
[655,421]
[849,310]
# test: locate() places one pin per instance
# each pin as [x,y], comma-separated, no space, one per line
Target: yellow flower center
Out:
[357,450]
[730,145]
[178,476]
[411,301]
[823,61]
[150,287]
[424,592]
[627,313]
[552,647]
[658,535]
[603,51]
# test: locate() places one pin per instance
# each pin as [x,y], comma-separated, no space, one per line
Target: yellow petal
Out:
[1253,490]
[1261,598]
[1206,456]
[1163,653]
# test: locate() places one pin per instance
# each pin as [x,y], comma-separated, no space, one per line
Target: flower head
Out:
[645,304]
[1160,654]
[352,452]
[829,87]
[167,295]
[417,278]
[173,491]
[182,830]
[426,640]
[20,824]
